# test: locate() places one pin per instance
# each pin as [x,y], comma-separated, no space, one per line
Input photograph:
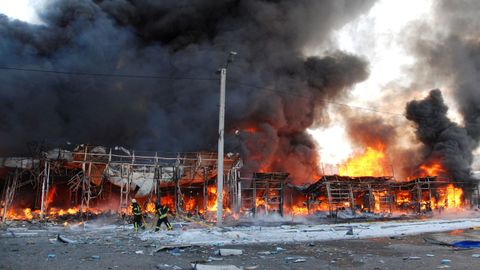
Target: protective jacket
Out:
[136,209]
[162,211]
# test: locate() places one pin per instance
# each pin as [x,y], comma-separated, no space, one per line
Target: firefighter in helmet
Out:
[137,216]
[162,213]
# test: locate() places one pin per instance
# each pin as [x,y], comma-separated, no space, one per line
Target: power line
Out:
[139,76]
[286,92]
[134,76]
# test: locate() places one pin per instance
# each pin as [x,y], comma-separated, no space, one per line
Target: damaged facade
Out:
[89,177]
[94,179]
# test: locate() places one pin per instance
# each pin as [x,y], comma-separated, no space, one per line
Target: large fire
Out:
[52,212]
[371,162]
[449,197]
[431,169]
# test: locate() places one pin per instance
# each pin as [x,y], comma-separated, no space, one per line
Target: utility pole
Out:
[221,131]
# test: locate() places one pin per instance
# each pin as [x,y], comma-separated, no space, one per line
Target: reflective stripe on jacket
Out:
[162,212]
[136,209]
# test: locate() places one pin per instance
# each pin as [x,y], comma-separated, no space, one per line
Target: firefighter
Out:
[137,216]
[162,213]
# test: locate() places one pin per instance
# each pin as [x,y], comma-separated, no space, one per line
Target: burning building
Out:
[142,74]
[96,179]
[93,180]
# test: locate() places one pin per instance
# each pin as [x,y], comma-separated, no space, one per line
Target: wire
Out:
[134,76]
[324,100]
[286,92]
[137,76]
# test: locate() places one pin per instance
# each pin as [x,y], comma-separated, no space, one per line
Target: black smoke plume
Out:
[273,87]
[443,140]
[448,54]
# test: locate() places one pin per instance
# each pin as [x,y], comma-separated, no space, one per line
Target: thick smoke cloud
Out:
[444,141]
[176,39]
[453,52]
[447,52]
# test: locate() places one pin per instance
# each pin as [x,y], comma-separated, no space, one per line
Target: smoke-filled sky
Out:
[274,89]
[294,59]
[413,47]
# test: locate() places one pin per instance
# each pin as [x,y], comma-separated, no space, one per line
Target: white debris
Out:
[230,252]
[211,259]
[445,261]
[309,233]
[412,258]
[65,240]
[214,267]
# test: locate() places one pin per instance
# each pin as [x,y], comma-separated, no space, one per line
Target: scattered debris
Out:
[214,267]
[95,257]
[175,252]
[139,252]
[65,240]
[211,259]
[163,267]
[170,247]
[264,253]
[295,259]
[412,258]
[445,261]
[280,249]
[436,242]
[430,255]
[230,252]
[51,256]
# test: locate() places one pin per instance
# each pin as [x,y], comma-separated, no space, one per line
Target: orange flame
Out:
[51,194]
[28,213]
[450,197]
[370,163]
[432,169]
[212,199]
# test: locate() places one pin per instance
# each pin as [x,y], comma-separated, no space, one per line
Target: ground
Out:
[117,247]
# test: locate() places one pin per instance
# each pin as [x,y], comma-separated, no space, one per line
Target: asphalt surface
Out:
[41,249]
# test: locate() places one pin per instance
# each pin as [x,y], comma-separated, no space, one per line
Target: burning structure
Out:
[75,179]
[276,92]
[97,179]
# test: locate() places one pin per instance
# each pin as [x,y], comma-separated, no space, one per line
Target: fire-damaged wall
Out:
[180,44]
[142,74]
